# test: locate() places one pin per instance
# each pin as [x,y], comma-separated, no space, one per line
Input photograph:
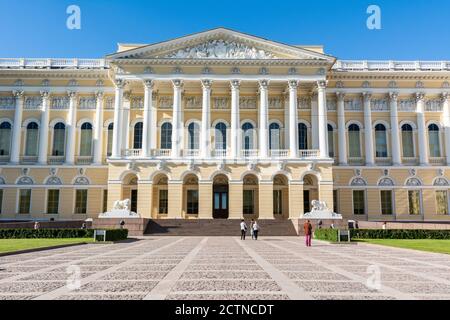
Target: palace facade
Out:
[222,124]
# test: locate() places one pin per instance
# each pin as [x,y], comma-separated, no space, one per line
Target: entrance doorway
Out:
[220,197]
[306,202]
[134,200]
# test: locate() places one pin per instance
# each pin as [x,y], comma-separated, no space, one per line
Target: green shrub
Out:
[400,234]
[326,234]
[111,234]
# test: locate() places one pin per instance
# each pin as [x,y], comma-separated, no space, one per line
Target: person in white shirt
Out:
[255,228]
[251,229]
[243,229]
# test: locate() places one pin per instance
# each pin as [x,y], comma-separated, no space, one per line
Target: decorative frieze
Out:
[331,105]
[408,105]
[434,105]
[247,103]
[193,102]
[7,103]
[379,105]
[304,103]
[87,103]
[109,103]
[137,103]
[221,103]
[276,103]
[60,103]
[165,102]
[353,104]
[33,103]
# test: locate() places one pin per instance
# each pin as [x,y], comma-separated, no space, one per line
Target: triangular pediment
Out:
[220,44]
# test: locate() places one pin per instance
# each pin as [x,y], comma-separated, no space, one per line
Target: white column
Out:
[368,136]
[125,121]
[71,128]
[342,141]
[395,130]
[205,136]
[235,136]
[98,129]
[177,126]
[117,145]
[148,118]
[264,119]
[17,128]
[322,118]
[43,131]
[446,116]
[314,122]
[293,119]
[422,132]
[154,124]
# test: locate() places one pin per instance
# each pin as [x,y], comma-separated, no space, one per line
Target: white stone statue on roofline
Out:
[121,209]
[320,211]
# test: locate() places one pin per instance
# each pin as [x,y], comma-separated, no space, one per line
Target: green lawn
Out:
[11,245]
[439,246]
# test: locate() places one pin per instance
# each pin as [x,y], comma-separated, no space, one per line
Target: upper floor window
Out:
[110,139]
[193,136]
[433,141]
[59,139]
[354,141]
[166,136]
[381,141]
[5,138]
[86,140]
[31,144]
[247,135]
[407,141]
[330,141]
[221,136]
[302,136]
[274,136]
[138,133]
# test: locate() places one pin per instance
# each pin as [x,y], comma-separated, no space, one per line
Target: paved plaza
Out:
[158,268]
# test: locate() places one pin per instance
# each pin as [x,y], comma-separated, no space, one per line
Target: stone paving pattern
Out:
[176,268]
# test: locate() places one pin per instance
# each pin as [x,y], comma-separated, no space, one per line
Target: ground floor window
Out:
[81,201]
[105,200]
[386,202]
[249,202]
[192,201]
[414,202]
[359,202]
[24,201]
[277,202]
[442,202]
[53,201]
[1,200]
[134,200]
[335,201]
[163,201]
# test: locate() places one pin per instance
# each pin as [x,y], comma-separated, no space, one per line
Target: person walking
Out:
[37,225]
[243,229]
[307,226]
[251,229]
[255,230]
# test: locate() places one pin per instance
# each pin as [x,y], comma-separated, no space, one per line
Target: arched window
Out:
[247,136]
[302,137]
[166,136]
[381,141]
[31,144]
[110,139]
[59,139]
[5,138]
[354,141]
[330,141]
[433,141]
[138,132]
[86,140]
[193,136]
[407,141]
[221,136]
[274,136]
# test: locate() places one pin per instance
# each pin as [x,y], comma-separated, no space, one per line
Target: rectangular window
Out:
[53,201]
[442,202]
[163,201]
[414,202]
[24,201]
[249,202]
[81,201]
[277,202]
[358,202]
[192,201]
[105,200]
[335,201]
[386,202]
[1,200]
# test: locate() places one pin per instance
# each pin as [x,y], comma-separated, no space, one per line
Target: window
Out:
[335,201]
[192,201]
[81,201]
[249,202]
[407,141]
[166,136]
[193,136]
[221,136]
[359,202]
[105,200]
[1,200]
[442,202]
[414,202]
[381,141]
[330,141]
[5,138]
[53,202]
[86,140]
[433,141]
[302,137]
[277,202]
[354,141]
[110,139]
[247,135]
[59,139]
[138,133]
[24,201]
[31,146]
[386,202]
[274,136]
[163,201]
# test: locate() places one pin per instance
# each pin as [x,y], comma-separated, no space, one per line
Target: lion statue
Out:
[318,205]
[122,205]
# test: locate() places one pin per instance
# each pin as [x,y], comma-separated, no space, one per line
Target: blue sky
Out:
[411,30]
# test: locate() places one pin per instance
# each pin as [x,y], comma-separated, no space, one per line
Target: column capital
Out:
[177,84]
[99,95]
[293,84]
[420,97]
[322,84]
[235,84]
[340,96]
[263,84]
[45,94]
[127,95]
[18,94]
[367,96]
[120,83]
[207,84]
[445,96]
[149,84]
[393,96]
[72,94]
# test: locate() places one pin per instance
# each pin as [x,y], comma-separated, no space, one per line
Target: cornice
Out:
[393,76]
[69,74]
